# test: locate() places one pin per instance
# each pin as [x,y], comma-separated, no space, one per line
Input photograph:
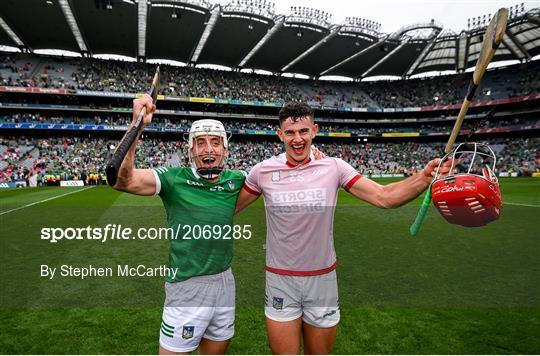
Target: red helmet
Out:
[471,198]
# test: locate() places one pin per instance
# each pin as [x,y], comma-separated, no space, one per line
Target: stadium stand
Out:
[59,156]
[115,76]
[71,157]
[183,125]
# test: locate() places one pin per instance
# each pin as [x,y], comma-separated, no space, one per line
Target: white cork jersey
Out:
[300,203]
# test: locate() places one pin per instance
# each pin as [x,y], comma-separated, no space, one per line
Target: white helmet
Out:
[207,127]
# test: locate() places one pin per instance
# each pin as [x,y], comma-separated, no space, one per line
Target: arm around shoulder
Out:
[246,197]
[251,190]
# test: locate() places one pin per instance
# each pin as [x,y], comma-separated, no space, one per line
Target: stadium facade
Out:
[51,104]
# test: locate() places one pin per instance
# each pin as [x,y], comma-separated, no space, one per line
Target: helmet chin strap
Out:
[209,173]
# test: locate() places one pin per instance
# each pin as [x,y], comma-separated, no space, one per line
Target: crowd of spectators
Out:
[183,124]
[15,75]
[510,82]
[414,93]
[184,81]
[520,156]
[380,158]
[519,82]
[76,158]
[65,158]
[13,151]
[117,76]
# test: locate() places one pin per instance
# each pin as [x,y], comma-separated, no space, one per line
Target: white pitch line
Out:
[44,200]
[519,204]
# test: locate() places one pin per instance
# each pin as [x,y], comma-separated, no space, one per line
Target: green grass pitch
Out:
[448,290]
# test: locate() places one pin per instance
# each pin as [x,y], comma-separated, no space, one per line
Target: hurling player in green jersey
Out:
[199,308]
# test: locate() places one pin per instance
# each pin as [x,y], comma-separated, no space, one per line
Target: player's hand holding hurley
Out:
[431,168]
[145,102]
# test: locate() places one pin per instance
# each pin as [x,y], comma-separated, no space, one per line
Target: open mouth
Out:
[298,148]
[208,161]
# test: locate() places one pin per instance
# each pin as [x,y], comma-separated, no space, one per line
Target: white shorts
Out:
[314,298]
[200,307]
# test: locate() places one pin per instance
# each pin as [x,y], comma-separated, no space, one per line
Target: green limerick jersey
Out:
[201,215]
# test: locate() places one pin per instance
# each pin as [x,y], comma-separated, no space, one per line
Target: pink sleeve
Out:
[252,181]
[347,174]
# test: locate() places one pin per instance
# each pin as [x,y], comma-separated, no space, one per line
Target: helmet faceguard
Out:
[208,164]
[470,196]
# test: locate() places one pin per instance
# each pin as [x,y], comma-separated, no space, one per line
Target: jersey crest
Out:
[187,332]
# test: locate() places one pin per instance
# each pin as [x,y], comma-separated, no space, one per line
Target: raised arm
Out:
[131,179]
[397,194]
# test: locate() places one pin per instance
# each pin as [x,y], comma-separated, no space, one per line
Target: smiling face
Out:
[297,135]
[208,151]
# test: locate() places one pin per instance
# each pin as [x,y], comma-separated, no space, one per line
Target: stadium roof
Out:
[249,34]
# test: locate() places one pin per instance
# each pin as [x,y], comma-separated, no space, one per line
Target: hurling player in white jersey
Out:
[300,196]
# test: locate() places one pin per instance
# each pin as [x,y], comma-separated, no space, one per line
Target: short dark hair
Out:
[295,111]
